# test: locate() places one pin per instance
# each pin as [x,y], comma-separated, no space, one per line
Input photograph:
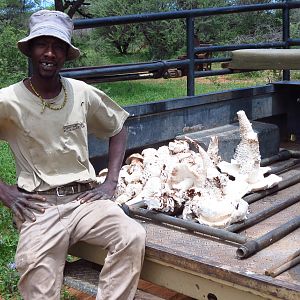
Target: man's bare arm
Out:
[116,151]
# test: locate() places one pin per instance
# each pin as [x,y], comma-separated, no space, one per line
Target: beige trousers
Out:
[43,247]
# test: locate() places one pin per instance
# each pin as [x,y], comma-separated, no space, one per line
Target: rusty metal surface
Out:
[216,258]
[213,259]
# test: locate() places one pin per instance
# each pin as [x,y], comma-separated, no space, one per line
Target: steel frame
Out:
[123,72]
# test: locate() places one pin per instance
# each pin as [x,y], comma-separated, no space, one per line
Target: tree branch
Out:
[85,15]
[74,7]
[58,4]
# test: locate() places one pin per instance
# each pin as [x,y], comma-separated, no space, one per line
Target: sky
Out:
[46,3]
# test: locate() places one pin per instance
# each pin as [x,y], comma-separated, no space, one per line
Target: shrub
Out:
[13,64]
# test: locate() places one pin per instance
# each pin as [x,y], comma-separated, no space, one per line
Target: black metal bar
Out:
[253,246]
[166,63]
[295,153]
[282,155]
[263,214]
[163,218]
[211,60]
[190,54]
[293,42]
[101,73]
[279,169]
[240,46]
[123,69]
[286,74]
[219,72]
[147,17]
[213,73]
[281,185]
[121,77]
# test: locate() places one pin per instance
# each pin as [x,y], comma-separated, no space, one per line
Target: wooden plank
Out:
[146,291]
[79,295]
[162,292]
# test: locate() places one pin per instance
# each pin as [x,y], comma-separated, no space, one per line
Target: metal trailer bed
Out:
[206,267]
[188,258]
[215,265]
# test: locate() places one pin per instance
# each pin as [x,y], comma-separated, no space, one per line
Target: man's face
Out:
[48,55]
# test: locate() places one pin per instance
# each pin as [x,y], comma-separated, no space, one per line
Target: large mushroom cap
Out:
[132,157]
[103,172]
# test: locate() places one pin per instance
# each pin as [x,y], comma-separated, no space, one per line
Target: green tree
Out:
[168,38]
[12,11]
[164,38]
[72,7]
[13,65]
[119,36]
[295,23]
[256,26]
[13,16]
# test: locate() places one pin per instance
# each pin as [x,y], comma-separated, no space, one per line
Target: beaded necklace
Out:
[45,103]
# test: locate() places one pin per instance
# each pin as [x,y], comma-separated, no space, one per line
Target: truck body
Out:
[194,260]
[198,264]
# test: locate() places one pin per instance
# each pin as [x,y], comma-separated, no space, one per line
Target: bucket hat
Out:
[50,23]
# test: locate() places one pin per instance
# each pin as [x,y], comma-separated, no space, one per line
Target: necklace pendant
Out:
[43,107]
[44,103]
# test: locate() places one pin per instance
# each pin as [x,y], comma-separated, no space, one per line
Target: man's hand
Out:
[104,191]
[21,204]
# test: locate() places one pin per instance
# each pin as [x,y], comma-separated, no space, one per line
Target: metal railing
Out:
[156,69]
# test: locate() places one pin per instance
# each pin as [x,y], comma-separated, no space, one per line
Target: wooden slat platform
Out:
[146,291]
[81,279]
[140,295]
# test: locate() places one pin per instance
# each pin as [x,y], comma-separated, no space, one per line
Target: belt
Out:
[69,189]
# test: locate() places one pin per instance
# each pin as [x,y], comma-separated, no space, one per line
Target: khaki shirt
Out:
[51,148]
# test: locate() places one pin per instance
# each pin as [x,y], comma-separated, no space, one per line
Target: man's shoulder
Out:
[76,83]
[82,88]
[8,91]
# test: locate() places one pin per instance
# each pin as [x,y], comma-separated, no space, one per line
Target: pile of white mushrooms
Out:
[182,179]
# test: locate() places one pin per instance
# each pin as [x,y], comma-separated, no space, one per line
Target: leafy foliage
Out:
[7,164]
[11,61]
[72,7]
[119,36]
[8,235]
[166,38]
[8,241]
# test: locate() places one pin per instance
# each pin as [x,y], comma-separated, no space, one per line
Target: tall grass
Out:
[8,235]
[149,90]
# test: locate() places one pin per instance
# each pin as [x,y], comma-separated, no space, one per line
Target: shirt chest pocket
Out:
[58,144]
